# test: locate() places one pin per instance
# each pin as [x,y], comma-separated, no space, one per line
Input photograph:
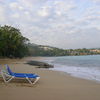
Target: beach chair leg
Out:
[31,81]
[9,79]
[36,80]
[4,78]
[28,80]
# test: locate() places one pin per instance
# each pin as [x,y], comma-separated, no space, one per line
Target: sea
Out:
[86,67]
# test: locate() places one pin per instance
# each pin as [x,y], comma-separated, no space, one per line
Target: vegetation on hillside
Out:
[40,50]
[12,43]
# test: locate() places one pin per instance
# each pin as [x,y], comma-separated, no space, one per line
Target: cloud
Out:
[15,6]
[2,14]
[96,1]
[62,7]
[44,11]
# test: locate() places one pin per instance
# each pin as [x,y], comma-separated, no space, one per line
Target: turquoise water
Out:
[87,67]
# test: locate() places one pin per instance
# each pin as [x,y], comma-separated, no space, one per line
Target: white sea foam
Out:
[87,67]
[82,72]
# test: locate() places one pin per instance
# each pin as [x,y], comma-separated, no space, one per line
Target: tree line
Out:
[12,43]
[39,50]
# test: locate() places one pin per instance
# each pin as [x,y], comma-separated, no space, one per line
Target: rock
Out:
[40,64]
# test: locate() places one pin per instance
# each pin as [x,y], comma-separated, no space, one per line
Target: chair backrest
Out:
[9,70]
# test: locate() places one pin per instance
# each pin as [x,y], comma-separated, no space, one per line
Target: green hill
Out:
[41,50]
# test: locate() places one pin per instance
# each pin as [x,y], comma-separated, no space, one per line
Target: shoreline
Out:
[52,85]
[27,59]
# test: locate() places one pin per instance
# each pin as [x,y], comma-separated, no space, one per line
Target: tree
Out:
[12,43]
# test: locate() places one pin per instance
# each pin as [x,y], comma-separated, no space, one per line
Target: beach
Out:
[52,85]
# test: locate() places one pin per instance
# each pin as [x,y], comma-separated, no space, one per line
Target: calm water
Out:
[87,67]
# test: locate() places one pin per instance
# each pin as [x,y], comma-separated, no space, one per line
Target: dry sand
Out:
[51,86]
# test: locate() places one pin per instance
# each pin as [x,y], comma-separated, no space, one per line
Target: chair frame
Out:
[5,75]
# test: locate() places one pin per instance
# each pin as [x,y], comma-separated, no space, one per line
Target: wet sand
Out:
[51,86]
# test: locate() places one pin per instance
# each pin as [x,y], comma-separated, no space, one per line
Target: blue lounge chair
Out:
[9,75]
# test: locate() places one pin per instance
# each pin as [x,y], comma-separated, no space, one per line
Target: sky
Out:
[67,24]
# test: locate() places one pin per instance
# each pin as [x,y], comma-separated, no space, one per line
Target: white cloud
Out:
[26,3]
[16,15]
[44,11]
[62,7]
[16,6]
[96,1]
[2,14]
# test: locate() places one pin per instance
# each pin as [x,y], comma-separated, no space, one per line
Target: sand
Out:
[51,86]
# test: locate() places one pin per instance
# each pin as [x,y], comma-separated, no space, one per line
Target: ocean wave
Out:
[81,72]
[87,67]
